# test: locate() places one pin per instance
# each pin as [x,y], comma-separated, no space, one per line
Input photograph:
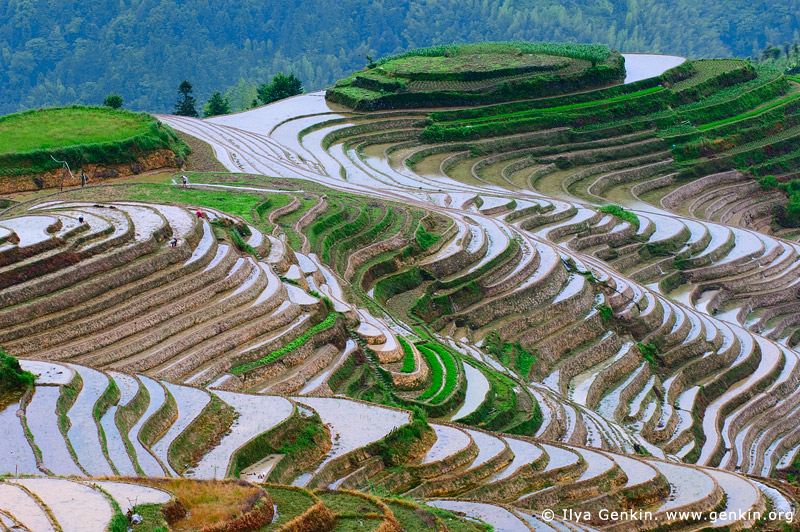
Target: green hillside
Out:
[481,73]
[30,141]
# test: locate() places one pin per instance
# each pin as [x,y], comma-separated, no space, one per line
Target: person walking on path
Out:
[174,242]
[185,181]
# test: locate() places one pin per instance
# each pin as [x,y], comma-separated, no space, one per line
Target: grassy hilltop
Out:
[98,138]
[478,74]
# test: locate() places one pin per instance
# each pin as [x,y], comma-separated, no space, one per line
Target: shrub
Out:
[649,352]
[12,376]
[113,100]
[173,511]
[424,238]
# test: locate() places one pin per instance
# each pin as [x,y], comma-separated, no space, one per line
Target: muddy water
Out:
[76,506]
[477,388]
[19,504]
[125,493]
[146,460]
[18,456]
[257,414]
[43,422]
[191,402]
[83,433]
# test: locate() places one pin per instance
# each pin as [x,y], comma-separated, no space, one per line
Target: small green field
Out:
[80,135]
[478,74]
[47,129]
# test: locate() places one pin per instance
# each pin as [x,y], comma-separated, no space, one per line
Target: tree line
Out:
[64,51]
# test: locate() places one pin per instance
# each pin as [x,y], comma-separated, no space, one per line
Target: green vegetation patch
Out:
[80,135]
[12,376]
[237,203]
[408,357]
[325,324]
[622,214]
[202,434]
[49,129]
[449,373]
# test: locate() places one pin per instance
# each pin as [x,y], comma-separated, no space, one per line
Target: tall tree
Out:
[216,105]
[185,106]
[282,86]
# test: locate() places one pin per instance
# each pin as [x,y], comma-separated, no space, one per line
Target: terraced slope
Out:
[529,345]
[647,325]
[97,505]
[502,480]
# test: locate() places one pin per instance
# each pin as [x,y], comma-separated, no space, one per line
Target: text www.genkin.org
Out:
[578,516]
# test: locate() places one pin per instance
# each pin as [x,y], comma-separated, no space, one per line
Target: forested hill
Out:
[63,51]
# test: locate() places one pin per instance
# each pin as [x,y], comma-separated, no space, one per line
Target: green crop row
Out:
[773,105]
[342,232]
[708,69]
[437,372]
[622,214]
[389,287]
[327,323]
[438,391]
[408,358]
[332,220]
[565,107]
[764,76]
[424,238]
[680,72]
[451,373]
[646,104]
[743,102]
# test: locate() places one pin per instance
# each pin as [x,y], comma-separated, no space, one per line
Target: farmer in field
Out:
[84,179]
[185,181]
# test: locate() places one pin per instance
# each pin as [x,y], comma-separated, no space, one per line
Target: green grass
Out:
[347,504]
[12,376]
[449,373]
[707,69]
[414,66]
[588,52]
[622,214]
[437,372]
[237,203]
[290,503]
[327,323]
[424,238]
[408,359]
[748,114]
[412,519]
[559,108]
[47,129]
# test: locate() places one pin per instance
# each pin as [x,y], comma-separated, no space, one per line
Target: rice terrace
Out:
[496,286]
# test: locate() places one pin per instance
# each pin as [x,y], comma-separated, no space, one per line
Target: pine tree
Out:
[216,105]
[282,86]
[185,105]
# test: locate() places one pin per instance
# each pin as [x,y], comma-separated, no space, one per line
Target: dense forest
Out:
[65,51]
